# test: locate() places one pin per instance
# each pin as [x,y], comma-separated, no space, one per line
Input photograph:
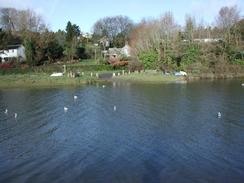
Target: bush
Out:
[239,61]
[191,54]
[135,66]
[149,59]
[6,66]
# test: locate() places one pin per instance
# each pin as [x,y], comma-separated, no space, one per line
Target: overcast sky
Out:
[85,13]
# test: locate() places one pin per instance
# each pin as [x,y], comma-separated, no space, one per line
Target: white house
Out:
[116,52]
[13,51]
[126,50]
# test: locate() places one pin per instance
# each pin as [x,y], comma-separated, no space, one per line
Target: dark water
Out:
[159,133]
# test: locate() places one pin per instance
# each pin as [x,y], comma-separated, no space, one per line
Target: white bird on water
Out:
[104,86]
[15,115]
[75,97]
[65,109]
[6,111]
[219,114]
[115,108]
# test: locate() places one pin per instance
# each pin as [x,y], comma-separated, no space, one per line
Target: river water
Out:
[158,133]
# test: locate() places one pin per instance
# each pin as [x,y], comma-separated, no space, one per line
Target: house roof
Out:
[114,51]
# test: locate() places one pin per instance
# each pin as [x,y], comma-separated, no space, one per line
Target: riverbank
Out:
[156,77]
[40,80]
[44,80]
[214,76]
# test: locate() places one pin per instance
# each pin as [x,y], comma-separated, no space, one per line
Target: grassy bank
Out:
[41,80]
[39,76]
[215,76]
[149,77]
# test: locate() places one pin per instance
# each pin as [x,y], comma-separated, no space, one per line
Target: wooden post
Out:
[64,66]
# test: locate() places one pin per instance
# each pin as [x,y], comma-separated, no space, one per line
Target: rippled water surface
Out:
[158,133]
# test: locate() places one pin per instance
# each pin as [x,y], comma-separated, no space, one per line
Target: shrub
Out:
[134,65]
[6,66]
[149,59]
[191,54]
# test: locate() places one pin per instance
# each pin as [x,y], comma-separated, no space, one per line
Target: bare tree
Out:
[190,27]
[155,33]
[21,20]
[227,18]
[8,18]
[111,27]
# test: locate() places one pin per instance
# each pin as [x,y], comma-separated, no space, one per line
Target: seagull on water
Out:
[15,115]
[75,97]
[65,109]
[115,108]
[219,114]
[6,111]
[104,86]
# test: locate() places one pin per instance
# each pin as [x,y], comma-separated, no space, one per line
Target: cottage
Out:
[16,52]
[118,52]
[126,50]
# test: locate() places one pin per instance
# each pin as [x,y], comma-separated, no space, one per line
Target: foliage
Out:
[81,53]
[54,51]
[30,51]
[21,20]
[239,61]
[6,66]
[72,33]
[158,42]
[116,29]
[190,54]
[134,65]
[149,59]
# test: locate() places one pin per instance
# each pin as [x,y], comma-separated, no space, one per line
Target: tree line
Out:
[44,46]
[163,44]
[159,43]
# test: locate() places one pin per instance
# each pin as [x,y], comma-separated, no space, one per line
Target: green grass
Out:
[40,75]
[41,80]
[148,77]
[88,65]
[87,62]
